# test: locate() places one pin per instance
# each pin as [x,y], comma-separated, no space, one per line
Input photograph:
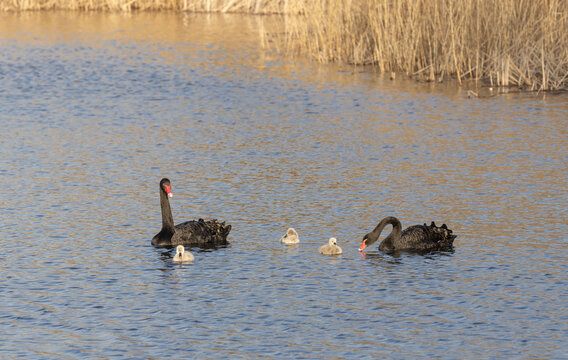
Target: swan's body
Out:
[331,248]
[182,255]
[190,233]
[291,237]
[417,237]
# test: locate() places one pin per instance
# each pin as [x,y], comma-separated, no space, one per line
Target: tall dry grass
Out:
[244,6]
[505,42]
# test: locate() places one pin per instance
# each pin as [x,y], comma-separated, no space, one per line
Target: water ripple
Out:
[92,119]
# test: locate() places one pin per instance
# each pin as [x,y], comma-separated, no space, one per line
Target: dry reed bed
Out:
[506,42]
[520,43]
[244,6]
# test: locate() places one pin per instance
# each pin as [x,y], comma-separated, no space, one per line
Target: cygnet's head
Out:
[332,241]
[180,250]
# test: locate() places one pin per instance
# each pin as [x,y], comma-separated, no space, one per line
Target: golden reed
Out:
[520,43]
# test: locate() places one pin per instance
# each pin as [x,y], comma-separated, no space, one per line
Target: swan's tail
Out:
[226,229]
[443,234]
[216,228]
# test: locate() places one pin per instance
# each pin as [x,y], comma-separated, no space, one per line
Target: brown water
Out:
[97,108]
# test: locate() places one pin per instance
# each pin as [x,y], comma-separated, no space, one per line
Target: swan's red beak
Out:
[168,190]
[363,245]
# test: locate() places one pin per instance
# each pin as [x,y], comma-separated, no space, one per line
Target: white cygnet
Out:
[182,255]
[291,237]
[331,248]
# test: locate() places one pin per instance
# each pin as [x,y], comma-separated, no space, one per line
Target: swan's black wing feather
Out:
[201,233]
[424,237]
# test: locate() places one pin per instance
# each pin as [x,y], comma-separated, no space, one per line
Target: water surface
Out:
[97,108]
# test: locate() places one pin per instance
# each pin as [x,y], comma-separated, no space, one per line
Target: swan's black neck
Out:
[167,218]
[394,235]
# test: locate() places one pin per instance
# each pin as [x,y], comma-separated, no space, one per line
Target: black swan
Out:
[190,233]
[417,237]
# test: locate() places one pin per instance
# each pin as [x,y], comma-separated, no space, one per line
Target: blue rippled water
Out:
[97,108]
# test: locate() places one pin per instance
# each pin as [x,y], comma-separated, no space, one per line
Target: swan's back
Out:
[425,238]
[200,233]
